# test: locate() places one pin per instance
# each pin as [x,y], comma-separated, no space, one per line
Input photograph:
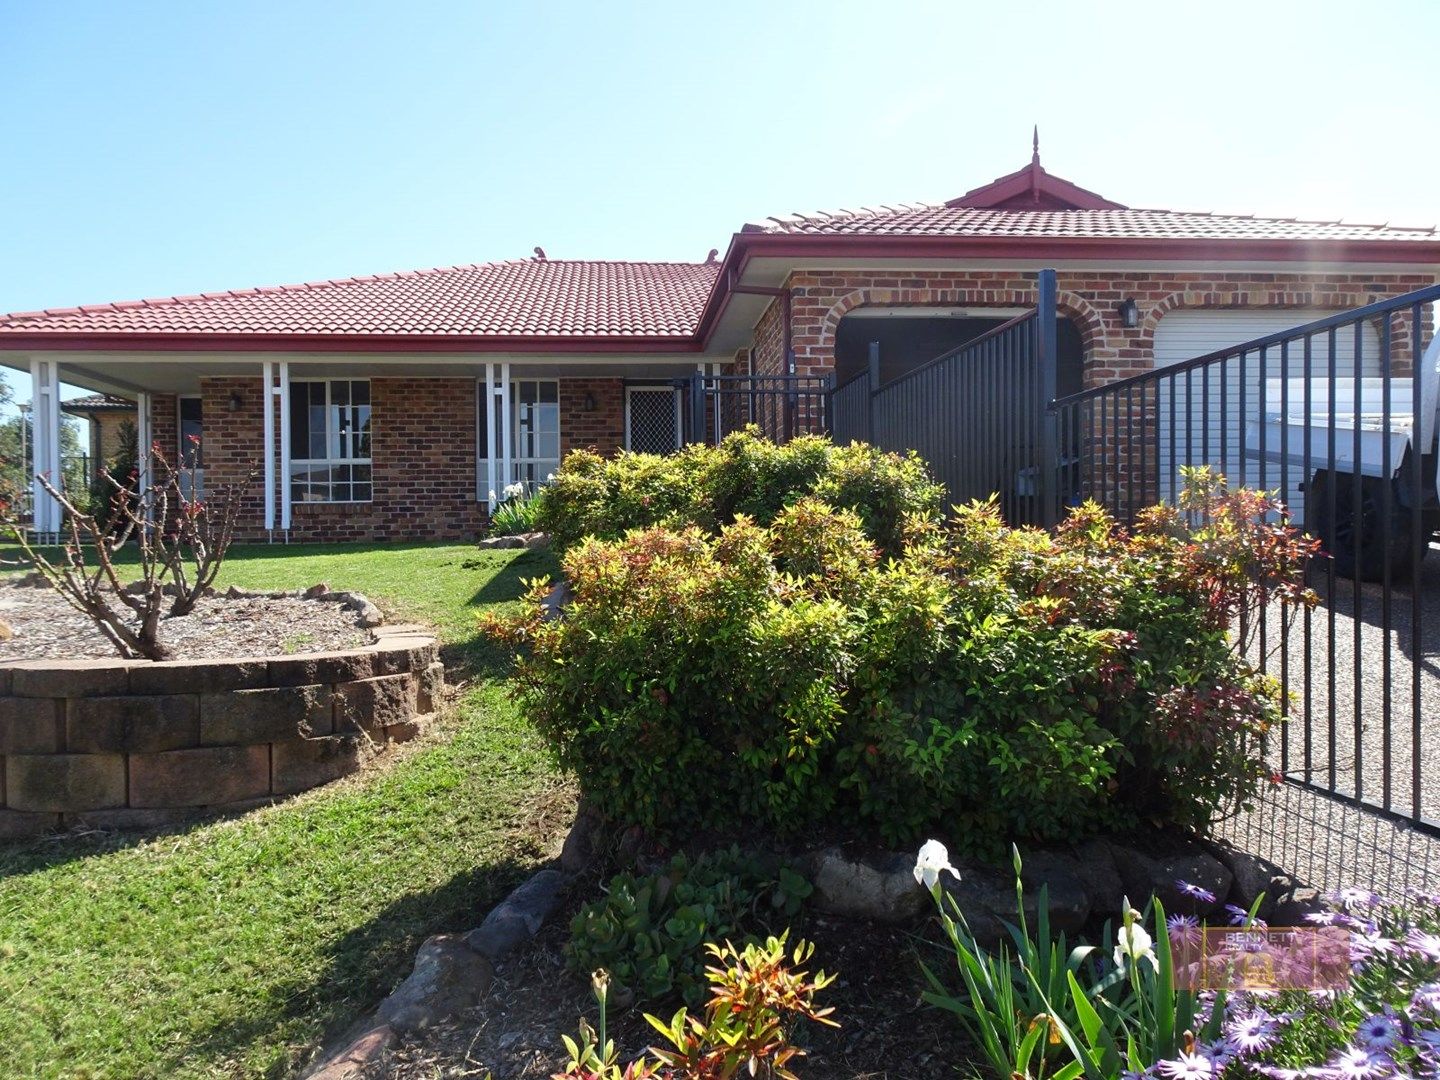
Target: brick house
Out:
[390,407]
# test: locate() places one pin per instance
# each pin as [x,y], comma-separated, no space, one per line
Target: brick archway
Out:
[1073,306]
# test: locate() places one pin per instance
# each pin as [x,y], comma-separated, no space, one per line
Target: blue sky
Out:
[157,148]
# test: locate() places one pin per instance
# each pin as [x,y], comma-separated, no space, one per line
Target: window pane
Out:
[360,392]
[191,429]
[549,392]
[339,393]
[363,493]
[299,420]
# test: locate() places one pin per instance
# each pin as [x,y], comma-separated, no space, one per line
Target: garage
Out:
[1198,426]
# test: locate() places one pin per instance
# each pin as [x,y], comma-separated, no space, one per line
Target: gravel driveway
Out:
[1337,659]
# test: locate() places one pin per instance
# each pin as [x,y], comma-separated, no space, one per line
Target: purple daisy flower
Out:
[1187,1067]
[1183,929]
[1359,1063]
[1351,896]
[1423,944]
[1198,892]
[1238,915]
[1428,1043]
[1426,998]
[1378,1032]
[1253,1033]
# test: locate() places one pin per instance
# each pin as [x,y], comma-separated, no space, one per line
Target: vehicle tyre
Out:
[1360,547]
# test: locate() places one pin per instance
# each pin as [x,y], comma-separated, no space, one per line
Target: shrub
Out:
[649,932]
[1006,682]
[757,996]
[745,476]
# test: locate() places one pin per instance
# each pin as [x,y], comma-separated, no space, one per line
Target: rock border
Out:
[1085,882]
[145,744]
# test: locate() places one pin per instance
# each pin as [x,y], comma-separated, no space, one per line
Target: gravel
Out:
[46,627]
[1323,840]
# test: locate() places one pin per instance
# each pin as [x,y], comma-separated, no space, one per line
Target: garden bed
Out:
[225,624]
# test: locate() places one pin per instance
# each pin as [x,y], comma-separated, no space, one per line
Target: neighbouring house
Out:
[393,406]
[105,416]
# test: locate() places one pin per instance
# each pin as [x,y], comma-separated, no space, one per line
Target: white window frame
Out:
[518,462]
[679,417]
[309,462]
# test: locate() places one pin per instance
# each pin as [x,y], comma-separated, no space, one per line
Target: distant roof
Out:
[945,219]
[93,403]
[526,297]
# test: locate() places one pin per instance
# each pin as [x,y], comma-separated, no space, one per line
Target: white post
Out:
[45,416]
[267,403]
[487,402]
[507,445]
[285,449]
[145,450]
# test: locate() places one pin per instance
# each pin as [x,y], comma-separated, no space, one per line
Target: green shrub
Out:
[649,932]
[746,475]
[1000,683]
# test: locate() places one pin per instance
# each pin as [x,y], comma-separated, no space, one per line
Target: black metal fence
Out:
[976,414]
[1339,418]
[781,406]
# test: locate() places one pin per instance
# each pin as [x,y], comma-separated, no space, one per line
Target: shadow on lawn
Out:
[19,857]
[364,965]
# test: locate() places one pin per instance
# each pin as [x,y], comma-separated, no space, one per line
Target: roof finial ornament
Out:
[1035,147]
[713,256]
[539,253]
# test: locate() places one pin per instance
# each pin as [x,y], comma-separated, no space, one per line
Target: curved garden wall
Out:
[133,743]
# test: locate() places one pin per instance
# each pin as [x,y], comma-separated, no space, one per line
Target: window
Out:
[330,441]
[191,451]
[534,430]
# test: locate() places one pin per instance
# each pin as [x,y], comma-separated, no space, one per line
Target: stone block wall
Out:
[121,743]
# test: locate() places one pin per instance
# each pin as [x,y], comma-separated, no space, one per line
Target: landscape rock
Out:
[583,840]
[6,631]
[1095,864]
[520,915]
[1070,901]
[535,541]
[496,542]
[1291,909]
[553,606]
[986,897]
[1254,877]
[1143,873]
[448,978]
[881,888]
[358,1057]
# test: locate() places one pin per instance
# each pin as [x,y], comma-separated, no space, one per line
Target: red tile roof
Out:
[92,403]
[939,219]
[531,297]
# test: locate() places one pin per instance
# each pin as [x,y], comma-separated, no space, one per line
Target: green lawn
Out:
[232,948]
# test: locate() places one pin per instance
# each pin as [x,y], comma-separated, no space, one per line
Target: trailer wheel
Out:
[1361,547]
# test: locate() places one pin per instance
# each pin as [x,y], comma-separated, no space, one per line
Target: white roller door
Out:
[1195,429]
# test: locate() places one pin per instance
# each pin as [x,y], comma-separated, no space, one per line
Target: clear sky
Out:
[151,149]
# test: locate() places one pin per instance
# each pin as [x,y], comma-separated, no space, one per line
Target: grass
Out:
[233,948]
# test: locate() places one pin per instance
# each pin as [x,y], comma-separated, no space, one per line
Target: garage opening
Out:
[908,337]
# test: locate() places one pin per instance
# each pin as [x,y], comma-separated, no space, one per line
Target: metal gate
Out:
[1337,415]
[976,414]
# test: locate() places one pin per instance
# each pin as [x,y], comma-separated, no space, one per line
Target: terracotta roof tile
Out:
[528,297]
[938,219]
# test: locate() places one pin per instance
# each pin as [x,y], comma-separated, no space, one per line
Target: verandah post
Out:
[1048,388]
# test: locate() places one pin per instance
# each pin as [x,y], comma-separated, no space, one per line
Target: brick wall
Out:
[603,429]
[822,298]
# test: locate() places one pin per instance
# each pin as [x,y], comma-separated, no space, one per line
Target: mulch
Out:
[46,627]
[887,1032]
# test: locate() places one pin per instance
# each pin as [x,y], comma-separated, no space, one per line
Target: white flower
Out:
[933,858]
[492,495]
[1134,943]
[514,491]
[550,478]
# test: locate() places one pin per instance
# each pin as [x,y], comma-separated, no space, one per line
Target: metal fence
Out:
[976,414]
[781,406]
[1337,417]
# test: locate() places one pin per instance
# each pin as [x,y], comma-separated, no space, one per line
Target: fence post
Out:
[697,408]
[1049,463]
[872,385]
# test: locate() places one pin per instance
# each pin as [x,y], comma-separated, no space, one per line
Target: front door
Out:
[652,419]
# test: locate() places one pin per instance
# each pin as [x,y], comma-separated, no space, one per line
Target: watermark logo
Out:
[1258,958]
